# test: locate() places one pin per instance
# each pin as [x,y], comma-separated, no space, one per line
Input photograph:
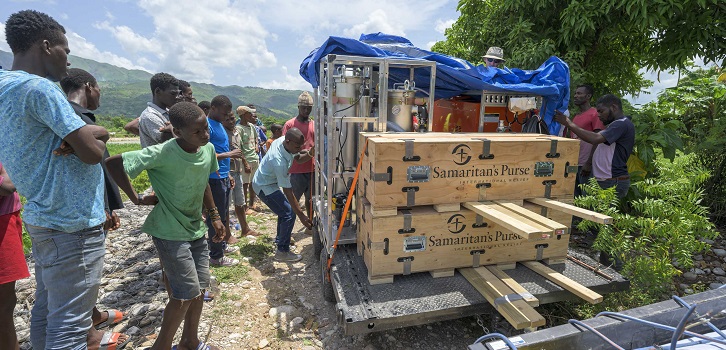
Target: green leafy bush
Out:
[664,224]
[141,183]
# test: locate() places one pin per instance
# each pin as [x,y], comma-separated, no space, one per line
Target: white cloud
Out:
[291,82]
[83,48]
[191,41]
[378,21]
[3,44]
[308,41]
[442,26]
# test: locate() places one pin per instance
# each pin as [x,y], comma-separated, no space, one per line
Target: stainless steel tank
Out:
[400,105]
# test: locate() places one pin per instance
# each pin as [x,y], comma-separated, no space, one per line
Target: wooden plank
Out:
[489,212]
[380,280]
[442,273]
[573,210]
[519,314]
[444,208]
[508,266]
[557,227]
[516,287]
[384,212]
[564,282]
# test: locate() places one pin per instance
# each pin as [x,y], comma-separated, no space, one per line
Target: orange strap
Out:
[345,209]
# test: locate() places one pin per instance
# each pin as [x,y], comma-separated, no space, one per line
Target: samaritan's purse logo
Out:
[457,221]
[461,154]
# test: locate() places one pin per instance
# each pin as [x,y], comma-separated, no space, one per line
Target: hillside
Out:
[125,92]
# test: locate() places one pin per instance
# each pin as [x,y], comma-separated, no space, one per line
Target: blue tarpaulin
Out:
[454,76]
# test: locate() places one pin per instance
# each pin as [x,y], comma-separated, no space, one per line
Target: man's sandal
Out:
[114,317]
[109,341]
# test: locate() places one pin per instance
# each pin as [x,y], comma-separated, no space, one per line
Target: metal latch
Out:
[540,250]
[486,149]
[475,257]
[548,187]
[482,190]
[479,222]
[414,244]
[409,157]
[410,195]
[553,149]
[418,173]
[407,218]
[387,176]
[406,264]
[570,169]
[542,169]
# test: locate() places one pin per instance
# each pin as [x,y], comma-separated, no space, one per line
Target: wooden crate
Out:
[411,169]
[421,239]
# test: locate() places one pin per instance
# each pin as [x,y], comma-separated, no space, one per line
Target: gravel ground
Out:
[266,304]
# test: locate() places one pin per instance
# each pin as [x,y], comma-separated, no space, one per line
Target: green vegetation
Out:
[230,274]
[141,183]
[605,43]
[259,249]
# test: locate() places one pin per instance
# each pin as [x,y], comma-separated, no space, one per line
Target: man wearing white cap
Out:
[301,175]
[494,57]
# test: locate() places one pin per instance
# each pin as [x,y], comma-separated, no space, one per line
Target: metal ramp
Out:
[420,299]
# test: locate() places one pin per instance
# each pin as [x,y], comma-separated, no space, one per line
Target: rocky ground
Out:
[266,304]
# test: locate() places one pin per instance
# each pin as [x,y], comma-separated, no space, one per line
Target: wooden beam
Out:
[516,287]
[443,208]
[489,212]
[564,282]
[573,210]
[555,226]
[519,314]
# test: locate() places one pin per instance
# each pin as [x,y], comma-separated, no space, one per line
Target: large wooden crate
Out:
[411,169]
[421,239]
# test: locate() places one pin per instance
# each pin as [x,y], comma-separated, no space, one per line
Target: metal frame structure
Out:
[500,99]
[329,127]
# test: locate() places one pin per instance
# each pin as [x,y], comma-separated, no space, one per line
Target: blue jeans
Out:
[621,186]
[68,268]
[277,202]
[581,179]
[220,192]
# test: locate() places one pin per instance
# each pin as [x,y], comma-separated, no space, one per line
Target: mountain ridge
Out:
[125,92]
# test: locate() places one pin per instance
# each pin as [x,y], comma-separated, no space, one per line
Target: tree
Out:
[604,42]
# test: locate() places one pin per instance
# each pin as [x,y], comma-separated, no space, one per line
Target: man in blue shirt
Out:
[273,174]
[220,182]
[64,213]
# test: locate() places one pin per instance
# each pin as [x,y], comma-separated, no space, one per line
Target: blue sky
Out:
[246,42]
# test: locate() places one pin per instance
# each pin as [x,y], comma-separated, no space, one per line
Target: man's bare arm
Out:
[88,143]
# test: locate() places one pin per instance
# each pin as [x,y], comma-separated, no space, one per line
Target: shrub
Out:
[665,223]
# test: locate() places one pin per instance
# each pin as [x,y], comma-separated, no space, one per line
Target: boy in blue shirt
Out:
[220,182]
[179,170]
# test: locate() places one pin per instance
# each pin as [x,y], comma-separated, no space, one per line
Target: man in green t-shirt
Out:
[179,172]
[249,143]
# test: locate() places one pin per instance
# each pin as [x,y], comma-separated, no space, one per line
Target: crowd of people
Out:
[199,158]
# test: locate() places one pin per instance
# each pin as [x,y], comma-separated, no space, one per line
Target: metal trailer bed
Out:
[412,299]
[420,299]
